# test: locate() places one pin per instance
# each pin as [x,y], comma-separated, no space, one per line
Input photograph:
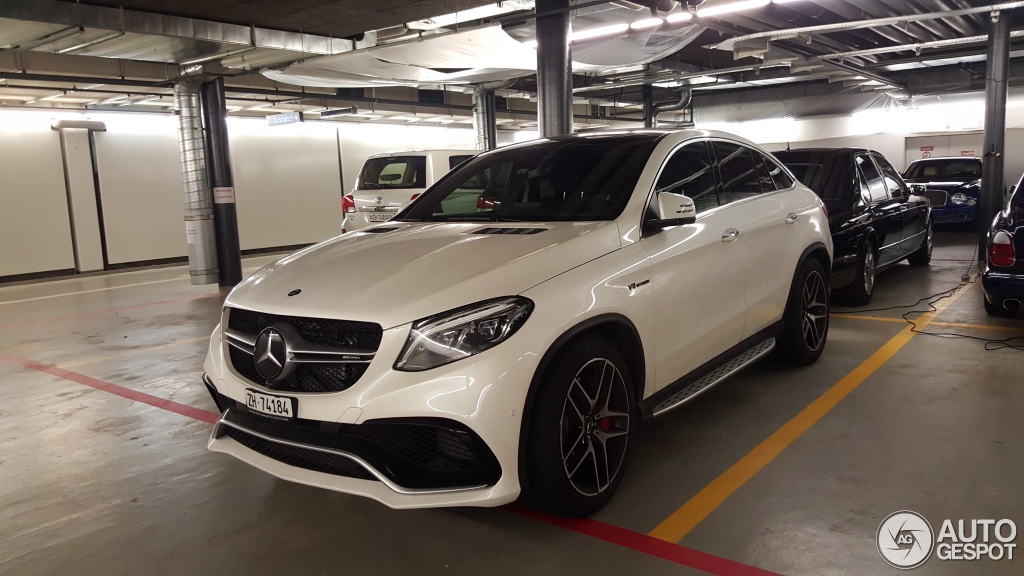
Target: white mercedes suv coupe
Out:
[506,333]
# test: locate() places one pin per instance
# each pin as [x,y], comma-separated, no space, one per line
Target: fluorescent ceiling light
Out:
[440,120]
[339,112]
[679,17]
[731,7]
[366,116]
[403,118]
[479,13]
[113,99]
[260,106]
[646,23]
[609,30]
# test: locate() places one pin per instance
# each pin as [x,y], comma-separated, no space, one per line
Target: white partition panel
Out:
[35,230]
[141,191]
[287,182]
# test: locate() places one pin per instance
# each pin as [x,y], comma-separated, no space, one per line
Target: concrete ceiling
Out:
[126,53]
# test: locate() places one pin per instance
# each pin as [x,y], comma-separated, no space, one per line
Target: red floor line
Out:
[155,401]
[107,311]
[648,545]
[595,529]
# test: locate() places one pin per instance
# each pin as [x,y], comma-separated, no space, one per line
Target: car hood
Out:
[420,269]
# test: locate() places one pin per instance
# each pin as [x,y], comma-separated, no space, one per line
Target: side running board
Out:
[708,380]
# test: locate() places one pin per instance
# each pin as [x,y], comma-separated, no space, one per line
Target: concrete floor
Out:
[95,481]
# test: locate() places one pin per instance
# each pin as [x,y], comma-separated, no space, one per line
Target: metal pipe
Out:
[199,232]
[225,220]
[554,68]
[685,97]
[796,32]
[484,113]
[995,126]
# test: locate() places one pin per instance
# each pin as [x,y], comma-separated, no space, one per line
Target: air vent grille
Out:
[496,230]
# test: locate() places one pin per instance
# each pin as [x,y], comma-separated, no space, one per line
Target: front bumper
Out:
[444,437]
[954,214]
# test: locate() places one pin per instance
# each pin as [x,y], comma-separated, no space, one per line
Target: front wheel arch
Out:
[617,329]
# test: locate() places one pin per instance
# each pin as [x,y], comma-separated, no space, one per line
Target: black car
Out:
[953,186]
[1003,278]
[875,219]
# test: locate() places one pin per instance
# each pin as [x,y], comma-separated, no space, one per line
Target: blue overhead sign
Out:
[286,118]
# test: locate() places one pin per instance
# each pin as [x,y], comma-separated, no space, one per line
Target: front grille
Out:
[320,331]
[312,377]
[301,457]
[421,453]
[937,197]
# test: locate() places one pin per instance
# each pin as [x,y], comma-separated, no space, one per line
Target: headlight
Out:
[958,198]
[461,333]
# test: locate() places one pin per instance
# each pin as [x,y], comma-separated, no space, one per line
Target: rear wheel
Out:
[806,317]
[579,431]
[859,292]
[923,255]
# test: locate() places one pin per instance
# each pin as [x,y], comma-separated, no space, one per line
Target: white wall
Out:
[35,230]
[141,190]
[287,182]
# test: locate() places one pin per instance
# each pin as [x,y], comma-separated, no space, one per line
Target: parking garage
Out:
[155,156]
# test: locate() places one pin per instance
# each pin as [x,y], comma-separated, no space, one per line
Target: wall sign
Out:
[223,195]
[285,118]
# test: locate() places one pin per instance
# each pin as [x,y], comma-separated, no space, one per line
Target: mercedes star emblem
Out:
[271,353]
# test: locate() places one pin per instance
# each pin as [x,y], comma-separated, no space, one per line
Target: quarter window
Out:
[740,176]
[689,172]
[872,179]
[893,181]
[778,178]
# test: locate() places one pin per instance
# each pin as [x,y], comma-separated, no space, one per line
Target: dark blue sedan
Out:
[953,186]
[1003,278]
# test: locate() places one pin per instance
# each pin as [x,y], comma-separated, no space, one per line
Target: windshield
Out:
[944,169]
[578,180]
[393,172]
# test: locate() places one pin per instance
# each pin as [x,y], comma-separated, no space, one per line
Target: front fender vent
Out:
[380,230]
[496,230]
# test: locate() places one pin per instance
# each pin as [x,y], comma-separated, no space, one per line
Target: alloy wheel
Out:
[595,427]
[869,272]
[814,310]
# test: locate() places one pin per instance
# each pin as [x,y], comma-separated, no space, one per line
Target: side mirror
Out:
[918,189]
[673,210]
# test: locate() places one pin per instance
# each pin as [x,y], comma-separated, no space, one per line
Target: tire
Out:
[805,321]
[579,431]
[859,292]
[923,255]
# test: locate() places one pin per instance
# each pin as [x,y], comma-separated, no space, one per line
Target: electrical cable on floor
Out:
[990,344]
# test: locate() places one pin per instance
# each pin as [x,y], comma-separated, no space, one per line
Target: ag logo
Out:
[905,539]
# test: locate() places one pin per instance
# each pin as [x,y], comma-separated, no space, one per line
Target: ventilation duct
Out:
[199,232]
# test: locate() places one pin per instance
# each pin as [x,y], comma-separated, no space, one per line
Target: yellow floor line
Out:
[944,324]
[682,521]
[134,352]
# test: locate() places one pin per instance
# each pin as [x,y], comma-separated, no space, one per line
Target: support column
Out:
[554,68]
[647,96]
[199,234]
[995,126]
[229,253]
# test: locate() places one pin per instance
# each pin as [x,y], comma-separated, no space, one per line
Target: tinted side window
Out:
[689,172]
[779,180]
[454,161]
[871,178]
[892,178]
[738,169]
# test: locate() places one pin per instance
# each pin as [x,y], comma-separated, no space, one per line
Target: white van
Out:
[386,181]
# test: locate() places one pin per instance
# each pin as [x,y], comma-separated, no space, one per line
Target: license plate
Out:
[379,217]
[280,407]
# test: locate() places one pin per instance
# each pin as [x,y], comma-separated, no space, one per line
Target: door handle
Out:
[791,218]
[730,235]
